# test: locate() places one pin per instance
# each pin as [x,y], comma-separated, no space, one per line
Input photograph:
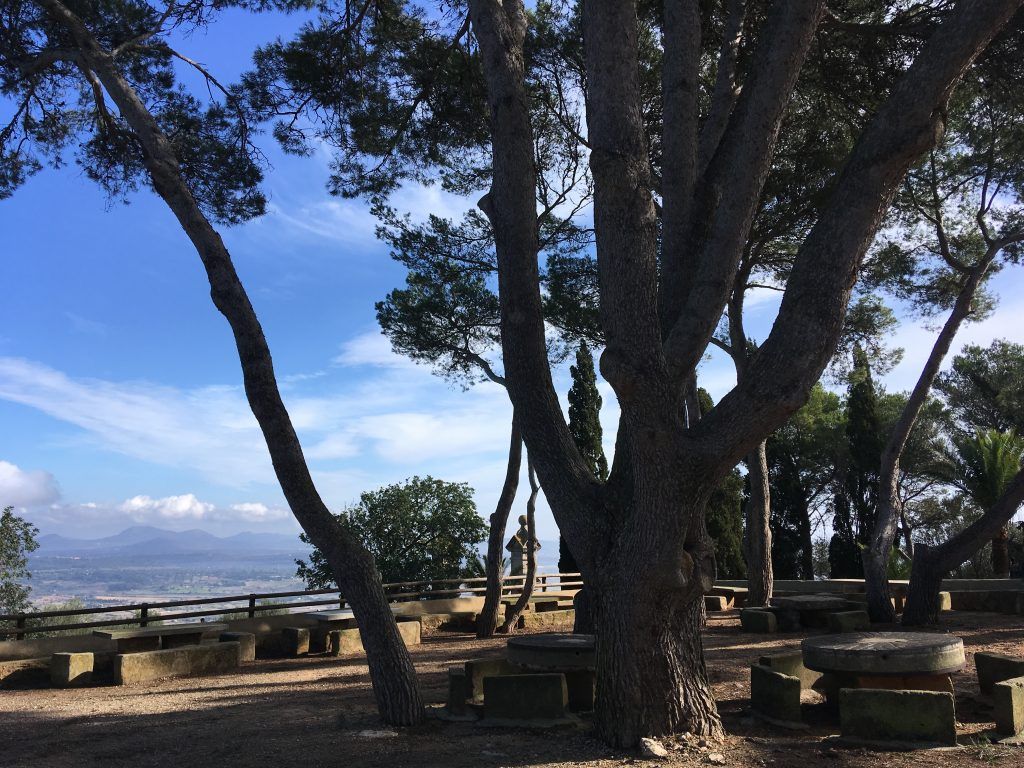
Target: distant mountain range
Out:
[147,540]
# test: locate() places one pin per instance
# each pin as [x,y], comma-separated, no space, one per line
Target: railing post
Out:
[144,616]
[20,624]
[252,606]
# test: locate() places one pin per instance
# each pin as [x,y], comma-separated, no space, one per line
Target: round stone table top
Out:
[552,651]
[884,653]
[811,602]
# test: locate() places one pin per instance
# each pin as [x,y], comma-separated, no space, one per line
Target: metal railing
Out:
[407,591]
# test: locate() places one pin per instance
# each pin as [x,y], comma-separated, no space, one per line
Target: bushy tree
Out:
[804,456]
[420,530]
[725,526]
[17,541]
[984,387]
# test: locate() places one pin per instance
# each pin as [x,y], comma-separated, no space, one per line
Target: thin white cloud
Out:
[26,488]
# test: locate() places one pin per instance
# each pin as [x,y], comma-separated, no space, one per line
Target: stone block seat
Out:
[993,668]
[775,697]
[70,670]
[899,718]
[758,621]
[1008,701]
[514,699]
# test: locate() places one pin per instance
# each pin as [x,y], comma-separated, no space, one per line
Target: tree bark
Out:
[512,616]
[1001,553]
[651,676]
[391,670]
[759,534]
[931,564]
[487,621]
[876,556]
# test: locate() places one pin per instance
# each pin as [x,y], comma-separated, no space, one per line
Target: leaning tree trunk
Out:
[931,564]
[876,556]
[759,534]
[487,621]
[1001,553]
[391,670]
[512,615]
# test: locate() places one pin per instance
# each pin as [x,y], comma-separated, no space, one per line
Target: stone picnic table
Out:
[341,619]
[574,656]
[808,610]
[158,638]
[893,660]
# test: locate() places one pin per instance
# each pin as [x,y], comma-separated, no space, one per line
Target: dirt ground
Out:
[319,712]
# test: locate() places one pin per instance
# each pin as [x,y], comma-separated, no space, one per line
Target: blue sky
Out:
[120,392]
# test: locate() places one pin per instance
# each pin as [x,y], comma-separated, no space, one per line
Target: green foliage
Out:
[420,530]
[55,113]
[17,541]
[983,465]
[984,387]
[585,427]
[802,459]
[585,412]
[724,516]
[866,440]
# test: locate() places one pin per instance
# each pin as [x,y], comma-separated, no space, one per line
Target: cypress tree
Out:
[864,435]
[585,426]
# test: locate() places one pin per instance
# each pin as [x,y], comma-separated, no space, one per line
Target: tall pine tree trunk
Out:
[487,621]
[758,530]
[391,670]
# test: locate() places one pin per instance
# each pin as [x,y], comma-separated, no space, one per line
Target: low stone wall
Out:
[898,586]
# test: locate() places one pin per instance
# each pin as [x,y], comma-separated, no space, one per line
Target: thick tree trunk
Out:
[1001,553]
[651,676]
[512,615]
[391,670]
[931,564]
[487,621]
[926,575]
[759,534]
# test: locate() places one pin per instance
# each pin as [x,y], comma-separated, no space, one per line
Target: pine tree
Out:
[864,435]
[585,426]
[843,554]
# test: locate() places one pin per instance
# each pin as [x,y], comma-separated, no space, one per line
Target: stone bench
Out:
[17,673]
[216,658]
[716,603]
[848,621]
[515,699]
[758,621]
[899,718]
[71,670]
[545,619]
[1008,701]
[345,642]
[775,697]
[993,668]
[246,644]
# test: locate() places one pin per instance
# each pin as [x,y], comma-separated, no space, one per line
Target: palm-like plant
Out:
[982,465]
